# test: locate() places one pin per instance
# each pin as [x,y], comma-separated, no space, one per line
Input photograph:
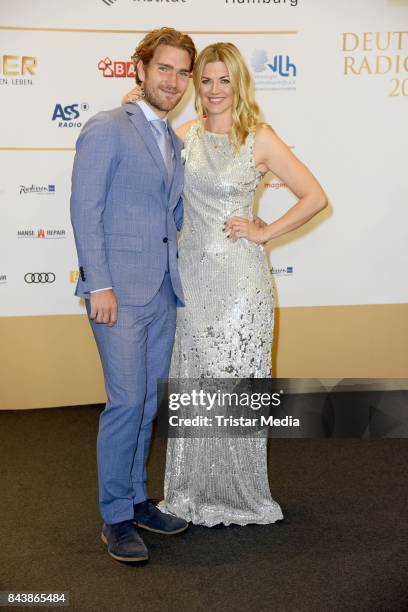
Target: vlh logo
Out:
[67,115]
[277,73]
[282,65]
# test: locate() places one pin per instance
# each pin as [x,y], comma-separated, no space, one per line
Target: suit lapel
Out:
[176,185]
[139,121]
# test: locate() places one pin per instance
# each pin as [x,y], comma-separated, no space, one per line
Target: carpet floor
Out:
[342,546]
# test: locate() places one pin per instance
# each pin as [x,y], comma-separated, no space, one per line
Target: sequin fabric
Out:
[225,330]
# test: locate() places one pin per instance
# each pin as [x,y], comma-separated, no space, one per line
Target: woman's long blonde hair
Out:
[245,111]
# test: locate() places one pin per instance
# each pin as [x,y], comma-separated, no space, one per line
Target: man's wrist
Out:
[98,290]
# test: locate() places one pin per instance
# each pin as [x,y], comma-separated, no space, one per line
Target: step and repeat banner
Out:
[331,78]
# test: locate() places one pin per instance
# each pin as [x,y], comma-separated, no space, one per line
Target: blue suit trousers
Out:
[135,353]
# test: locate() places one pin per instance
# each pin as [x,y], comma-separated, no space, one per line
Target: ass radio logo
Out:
[67,116]
[277,72]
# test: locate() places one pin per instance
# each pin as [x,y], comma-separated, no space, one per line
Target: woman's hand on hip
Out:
[239,227]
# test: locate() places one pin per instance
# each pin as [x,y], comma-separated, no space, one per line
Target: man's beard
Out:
[154,100]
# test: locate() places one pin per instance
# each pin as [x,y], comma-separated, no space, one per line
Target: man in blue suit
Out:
[126,209]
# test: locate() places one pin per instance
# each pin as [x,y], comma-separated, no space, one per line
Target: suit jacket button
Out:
[165,239]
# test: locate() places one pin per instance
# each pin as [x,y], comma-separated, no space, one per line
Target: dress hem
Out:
[221,519]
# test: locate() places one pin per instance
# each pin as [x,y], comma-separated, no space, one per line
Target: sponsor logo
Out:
[275,185]
[109,2]
[17,69]
[67,116]
[116,69]
[285,271]
[172,1]
[271,2]
[39,277]
[50,234]
[3,279]
[273,72]
[37,189]
[377,54]
[73,276]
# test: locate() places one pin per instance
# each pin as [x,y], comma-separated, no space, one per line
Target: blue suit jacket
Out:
[124,212]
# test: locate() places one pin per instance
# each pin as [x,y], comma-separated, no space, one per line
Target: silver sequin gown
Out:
[225,330]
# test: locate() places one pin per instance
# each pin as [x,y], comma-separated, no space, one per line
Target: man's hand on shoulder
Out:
[104,307]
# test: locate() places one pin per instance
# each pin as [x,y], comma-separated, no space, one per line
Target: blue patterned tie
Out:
[163,140]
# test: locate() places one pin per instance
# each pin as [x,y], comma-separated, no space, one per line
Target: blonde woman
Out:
[226,327]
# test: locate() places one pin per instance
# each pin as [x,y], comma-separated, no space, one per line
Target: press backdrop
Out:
[332,80]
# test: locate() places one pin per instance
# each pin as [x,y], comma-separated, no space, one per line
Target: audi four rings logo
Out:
[39,277]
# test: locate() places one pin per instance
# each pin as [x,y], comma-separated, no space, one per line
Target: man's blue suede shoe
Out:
[124,543]
[148,516]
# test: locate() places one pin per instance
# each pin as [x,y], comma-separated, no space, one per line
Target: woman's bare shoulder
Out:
[264,132]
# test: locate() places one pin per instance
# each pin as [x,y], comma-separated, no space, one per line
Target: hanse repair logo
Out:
[67,116]
[47,234]
[275,72]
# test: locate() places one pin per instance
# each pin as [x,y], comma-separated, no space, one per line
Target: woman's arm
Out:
[133,95]
[271,153]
